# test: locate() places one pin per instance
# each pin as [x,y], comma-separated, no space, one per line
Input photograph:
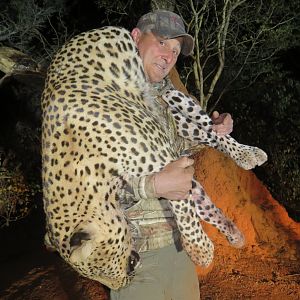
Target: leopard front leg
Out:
[194,124]
[188,108]
[245,156]
[211,214]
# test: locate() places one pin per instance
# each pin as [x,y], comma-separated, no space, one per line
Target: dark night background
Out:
[264,100]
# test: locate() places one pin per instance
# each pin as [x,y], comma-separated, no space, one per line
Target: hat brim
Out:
[188,44]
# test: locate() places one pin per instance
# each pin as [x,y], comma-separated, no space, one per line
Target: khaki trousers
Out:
[165,274]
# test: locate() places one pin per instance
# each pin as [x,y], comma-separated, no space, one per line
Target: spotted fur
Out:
[194,124]
[98,129]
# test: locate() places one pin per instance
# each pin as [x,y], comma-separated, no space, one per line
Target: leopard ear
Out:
[81,246]
[81,242]
[78,239]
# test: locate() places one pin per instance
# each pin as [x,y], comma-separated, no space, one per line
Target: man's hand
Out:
[223,123]
[174,181]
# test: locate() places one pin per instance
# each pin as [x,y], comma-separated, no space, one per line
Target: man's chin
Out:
[155,78]
[156,73]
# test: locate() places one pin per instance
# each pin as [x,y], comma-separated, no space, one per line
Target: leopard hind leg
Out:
[208,212]
[193,238]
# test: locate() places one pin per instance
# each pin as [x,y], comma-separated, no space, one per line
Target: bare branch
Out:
[230,36]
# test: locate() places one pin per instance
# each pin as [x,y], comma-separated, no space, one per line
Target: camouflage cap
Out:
[167,25]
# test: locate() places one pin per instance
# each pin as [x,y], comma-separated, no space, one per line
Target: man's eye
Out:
[162,43]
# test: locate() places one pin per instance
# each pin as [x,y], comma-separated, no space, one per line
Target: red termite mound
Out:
[268,230]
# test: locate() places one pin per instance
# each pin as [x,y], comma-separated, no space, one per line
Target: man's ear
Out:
[136,35]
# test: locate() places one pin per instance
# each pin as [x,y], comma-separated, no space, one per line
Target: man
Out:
[166,272]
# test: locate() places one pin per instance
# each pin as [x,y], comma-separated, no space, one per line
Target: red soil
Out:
[268,266]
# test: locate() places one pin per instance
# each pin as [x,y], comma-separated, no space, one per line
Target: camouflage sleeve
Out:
[136,189]
[191,147]
[141,187]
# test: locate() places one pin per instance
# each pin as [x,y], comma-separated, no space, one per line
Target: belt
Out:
[151,242]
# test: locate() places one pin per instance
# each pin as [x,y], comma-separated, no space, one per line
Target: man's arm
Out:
[173,182]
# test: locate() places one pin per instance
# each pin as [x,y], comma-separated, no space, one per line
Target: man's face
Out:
[158,55]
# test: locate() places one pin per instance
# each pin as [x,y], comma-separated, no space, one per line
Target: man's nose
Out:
[168,55]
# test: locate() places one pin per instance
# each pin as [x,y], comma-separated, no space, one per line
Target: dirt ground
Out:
[40,275]
[268,267]
[249,276]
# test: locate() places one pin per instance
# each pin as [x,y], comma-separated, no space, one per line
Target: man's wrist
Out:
[149,186]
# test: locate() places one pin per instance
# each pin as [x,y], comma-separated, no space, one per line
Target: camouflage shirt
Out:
[151,220]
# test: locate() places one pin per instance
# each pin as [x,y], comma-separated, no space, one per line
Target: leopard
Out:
[99,129]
